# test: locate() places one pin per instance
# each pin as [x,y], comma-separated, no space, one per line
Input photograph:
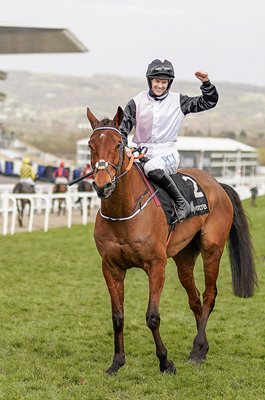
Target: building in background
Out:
[220,157]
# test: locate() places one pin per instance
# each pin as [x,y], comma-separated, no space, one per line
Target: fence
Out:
[41,203]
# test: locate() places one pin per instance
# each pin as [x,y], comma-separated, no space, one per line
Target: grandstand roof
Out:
[189,143]
[20,39]
[201,143]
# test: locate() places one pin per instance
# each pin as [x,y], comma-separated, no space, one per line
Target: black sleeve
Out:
[206,101]
[129,119]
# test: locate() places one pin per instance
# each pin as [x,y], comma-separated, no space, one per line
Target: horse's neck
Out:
[123,200]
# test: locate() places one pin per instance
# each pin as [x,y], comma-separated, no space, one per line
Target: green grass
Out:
[56,331]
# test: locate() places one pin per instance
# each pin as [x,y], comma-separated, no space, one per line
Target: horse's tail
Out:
[240,248]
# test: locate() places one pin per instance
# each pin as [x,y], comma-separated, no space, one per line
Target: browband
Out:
[107,127]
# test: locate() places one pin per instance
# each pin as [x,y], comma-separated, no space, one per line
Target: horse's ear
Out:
[118,117]
[92,119]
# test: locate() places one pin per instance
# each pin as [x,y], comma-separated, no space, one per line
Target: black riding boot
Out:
[166,182]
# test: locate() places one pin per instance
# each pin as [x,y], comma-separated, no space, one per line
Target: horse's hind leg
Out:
[156,275]
[211,255]
[213,240]
[115,281]
[185,261]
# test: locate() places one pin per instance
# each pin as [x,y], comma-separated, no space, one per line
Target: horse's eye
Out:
[118,146]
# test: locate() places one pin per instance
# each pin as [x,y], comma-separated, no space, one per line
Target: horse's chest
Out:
[129,253]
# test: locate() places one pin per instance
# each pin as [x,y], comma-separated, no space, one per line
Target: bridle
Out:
[103,164]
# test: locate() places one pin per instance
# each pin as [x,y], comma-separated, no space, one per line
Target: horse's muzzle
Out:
[105,191]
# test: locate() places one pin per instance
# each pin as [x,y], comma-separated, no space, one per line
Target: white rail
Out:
[42,202]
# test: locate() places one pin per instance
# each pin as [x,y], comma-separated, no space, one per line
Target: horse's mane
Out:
[106,122]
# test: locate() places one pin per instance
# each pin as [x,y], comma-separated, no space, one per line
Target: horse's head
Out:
[107,152]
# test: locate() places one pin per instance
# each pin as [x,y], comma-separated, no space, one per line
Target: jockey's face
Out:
[159,86]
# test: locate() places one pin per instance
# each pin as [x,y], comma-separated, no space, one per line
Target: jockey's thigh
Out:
[165,158]
[61,180]
[29,181]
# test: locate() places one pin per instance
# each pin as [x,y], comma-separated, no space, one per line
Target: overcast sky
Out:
[225,38]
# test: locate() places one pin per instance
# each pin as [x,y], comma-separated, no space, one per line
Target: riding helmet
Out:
[26,160]
[160,70]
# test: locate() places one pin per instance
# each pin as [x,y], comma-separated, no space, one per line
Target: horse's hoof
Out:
[168,368]
[195,360]
[113,369]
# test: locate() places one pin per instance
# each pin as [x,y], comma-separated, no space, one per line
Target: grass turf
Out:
[56,331]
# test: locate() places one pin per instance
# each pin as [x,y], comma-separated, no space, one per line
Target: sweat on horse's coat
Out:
[142,241]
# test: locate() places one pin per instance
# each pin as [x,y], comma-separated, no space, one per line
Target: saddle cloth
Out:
[189,189]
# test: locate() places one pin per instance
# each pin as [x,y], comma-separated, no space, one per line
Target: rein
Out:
[103,164]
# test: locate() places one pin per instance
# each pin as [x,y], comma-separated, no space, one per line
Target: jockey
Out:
[157,114]
[61,175]
[27,174]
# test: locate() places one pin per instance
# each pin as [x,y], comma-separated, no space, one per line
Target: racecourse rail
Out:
[41,202]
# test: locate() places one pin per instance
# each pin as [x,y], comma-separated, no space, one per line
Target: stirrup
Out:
[175,218]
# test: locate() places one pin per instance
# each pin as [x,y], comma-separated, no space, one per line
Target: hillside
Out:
[41,104]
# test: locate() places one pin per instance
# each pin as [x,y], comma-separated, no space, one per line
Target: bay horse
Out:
[23,188]
[59,188]
[131,231]
[85,186]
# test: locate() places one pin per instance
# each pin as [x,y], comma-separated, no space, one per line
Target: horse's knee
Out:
[153,320]
[118,321]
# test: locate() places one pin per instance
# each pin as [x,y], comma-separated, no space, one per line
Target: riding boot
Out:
[166,182]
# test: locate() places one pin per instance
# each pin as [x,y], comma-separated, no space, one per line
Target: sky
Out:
[225,38]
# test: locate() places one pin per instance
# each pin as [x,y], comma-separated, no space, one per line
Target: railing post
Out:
[84,210]
[69,204]
[14,216]
[31,214]
[5,198]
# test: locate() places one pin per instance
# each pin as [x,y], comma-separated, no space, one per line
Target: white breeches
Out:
[61,179]
[163,156]
[30,181]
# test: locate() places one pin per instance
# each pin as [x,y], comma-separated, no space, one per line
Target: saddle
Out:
[189,189]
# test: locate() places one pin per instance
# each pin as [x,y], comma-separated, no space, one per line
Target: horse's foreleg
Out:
[115,281]
[156,275]
[88,207]
[19,212]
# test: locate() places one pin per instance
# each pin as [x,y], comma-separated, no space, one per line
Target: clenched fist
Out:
[202,76]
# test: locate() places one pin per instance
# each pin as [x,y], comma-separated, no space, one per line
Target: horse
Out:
[131,231]
[23,188]
[85,186]
[59,188]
